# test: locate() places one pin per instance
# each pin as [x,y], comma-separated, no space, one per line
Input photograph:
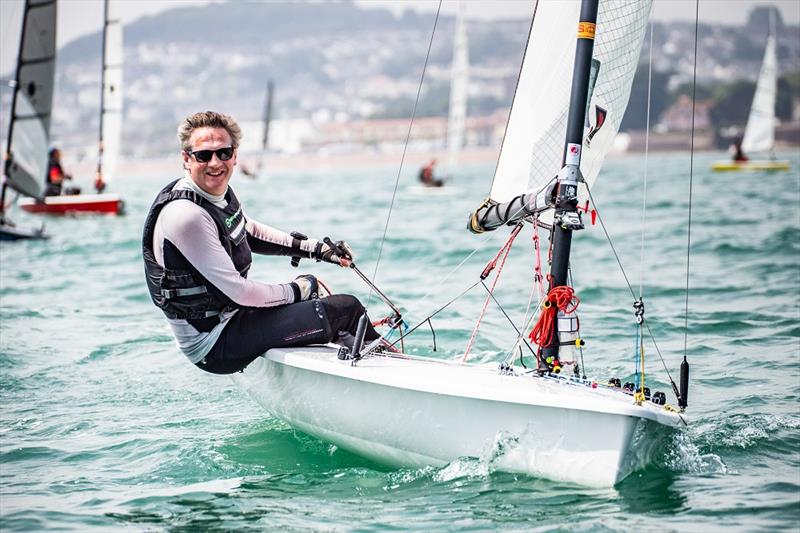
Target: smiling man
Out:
[197,246]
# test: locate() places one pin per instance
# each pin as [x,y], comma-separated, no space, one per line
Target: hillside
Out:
[336,61]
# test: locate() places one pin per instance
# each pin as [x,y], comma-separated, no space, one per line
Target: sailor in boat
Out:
[99,182]
[197,248]
[54,181]
[426,175]
[738,153]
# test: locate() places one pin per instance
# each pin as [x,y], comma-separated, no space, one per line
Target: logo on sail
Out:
[599,120]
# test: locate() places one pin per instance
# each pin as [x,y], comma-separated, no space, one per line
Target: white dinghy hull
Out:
[419,412]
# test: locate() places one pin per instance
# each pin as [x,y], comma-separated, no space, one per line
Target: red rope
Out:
[561,297]
[537,268]
[505,249]
[381,322]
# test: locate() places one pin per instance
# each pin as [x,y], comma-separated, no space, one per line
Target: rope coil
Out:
[559,298]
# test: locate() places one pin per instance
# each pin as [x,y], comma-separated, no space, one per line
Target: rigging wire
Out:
[624,275]
[502,255]
[405,149]
[520,333]
[646,155]
[691,178]
[436,312]
[608,238]
[489,235]
[639,305]
[537,290]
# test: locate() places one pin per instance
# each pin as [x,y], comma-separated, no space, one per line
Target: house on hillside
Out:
[678,116]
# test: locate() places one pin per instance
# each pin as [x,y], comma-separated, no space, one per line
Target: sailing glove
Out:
[323,252]
[305,287]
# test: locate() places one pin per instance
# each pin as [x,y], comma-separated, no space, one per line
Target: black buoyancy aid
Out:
[178,288]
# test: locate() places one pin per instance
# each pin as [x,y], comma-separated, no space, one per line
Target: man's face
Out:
[213,176]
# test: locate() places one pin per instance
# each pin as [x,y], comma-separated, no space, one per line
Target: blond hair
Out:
[208,119]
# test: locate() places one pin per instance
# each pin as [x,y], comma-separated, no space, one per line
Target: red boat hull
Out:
[110,204]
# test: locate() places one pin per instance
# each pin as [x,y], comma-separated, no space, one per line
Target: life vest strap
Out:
[190,291]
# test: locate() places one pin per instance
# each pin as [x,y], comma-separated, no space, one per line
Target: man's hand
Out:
[307,287]
[323,252]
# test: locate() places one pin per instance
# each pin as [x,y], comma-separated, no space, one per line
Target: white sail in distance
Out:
[533,145]
[267,119]
[29,128]
[459,84]
[759,134]
[111,102]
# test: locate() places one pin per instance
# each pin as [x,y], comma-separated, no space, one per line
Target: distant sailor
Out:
[738,153]
[54,181]
[99,182]
[426,175]
[197,249]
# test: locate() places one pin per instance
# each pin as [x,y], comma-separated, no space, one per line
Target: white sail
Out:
[111,110]
[262,159]
[29,129]
[459,82]
[759,135]
[533,146]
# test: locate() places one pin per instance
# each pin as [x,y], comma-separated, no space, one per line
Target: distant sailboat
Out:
[110,134]
[457,112]
[111,102]
[29,127]
[267,119]
[459,83]
[759,134]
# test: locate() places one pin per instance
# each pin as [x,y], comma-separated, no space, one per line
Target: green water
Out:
[106,426]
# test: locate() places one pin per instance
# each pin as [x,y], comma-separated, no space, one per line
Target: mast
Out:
[7,154]
[267,120]
[567,219]
[102,90]
[459,74]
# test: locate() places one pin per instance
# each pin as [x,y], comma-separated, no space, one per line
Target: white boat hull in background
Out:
[419,412]
[422,190]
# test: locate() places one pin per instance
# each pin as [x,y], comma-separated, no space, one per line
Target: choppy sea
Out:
[105,426]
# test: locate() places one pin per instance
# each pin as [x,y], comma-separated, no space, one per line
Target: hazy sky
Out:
[79,17]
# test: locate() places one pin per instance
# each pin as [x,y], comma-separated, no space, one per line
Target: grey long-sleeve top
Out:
[192,230]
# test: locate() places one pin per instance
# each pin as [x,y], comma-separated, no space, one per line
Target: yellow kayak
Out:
[752,165]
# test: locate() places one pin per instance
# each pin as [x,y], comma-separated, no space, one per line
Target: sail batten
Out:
[532,149]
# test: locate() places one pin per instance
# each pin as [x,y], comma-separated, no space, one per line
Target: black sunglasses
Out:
[204,156]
